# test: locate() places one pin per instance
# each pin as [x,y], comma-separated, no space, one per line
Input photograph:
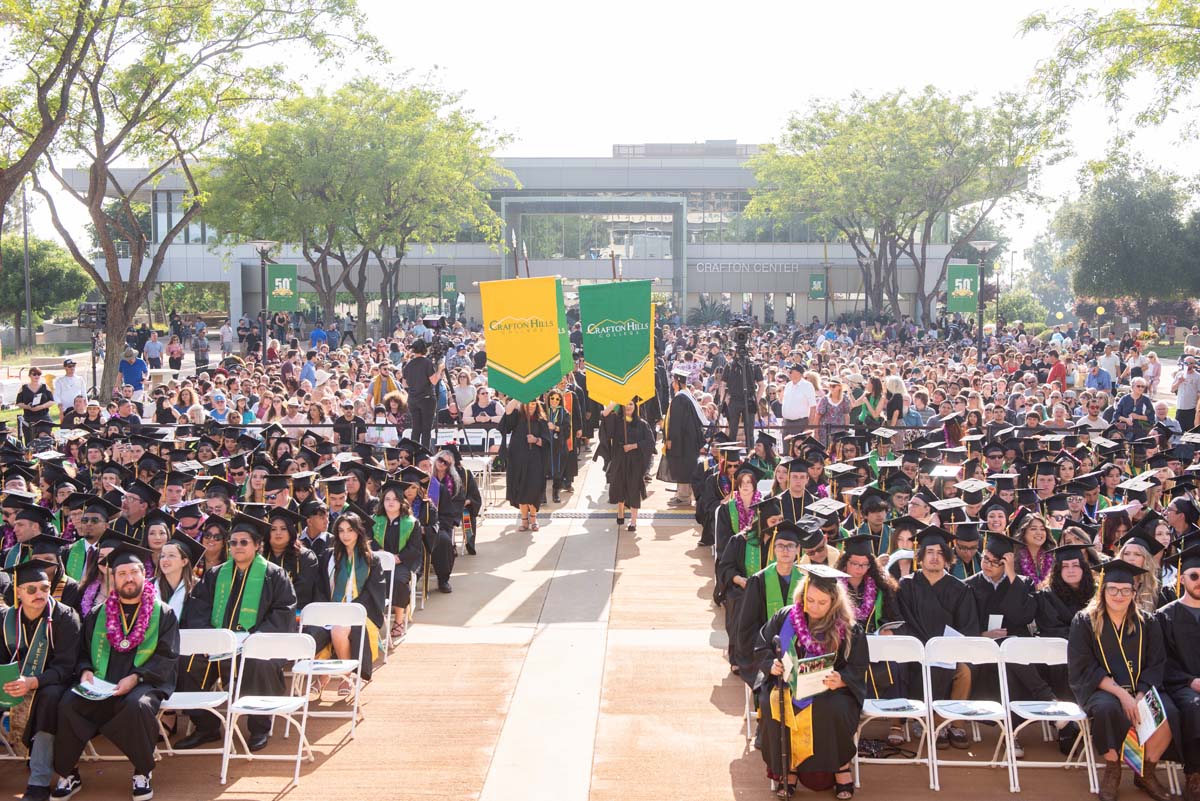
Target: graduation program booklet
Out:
[8,673]
[1150,715]
[806,677]
[94,690]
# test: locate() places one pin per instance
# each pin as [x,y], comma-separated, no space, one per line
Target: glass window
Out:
[160,202]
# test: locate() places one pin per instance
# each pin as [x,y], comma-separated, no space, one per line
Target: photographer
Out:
[1186,387]
[743,385]
[421,377]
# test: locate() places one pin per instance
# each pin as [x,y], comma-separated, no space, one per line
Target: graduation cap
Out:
[933,535]
[175,478]
[256,527]
[1116,571]
[218,487]
[120,471]
[11,472]
[1187,559]
[898,482]
[364,449]
[370,471]
[313,507]
[140,489]
[1064,553]
[874,499]
[277,512]
[237,462]
[192,549]
[1056,503]
[965,531]
[126,553]
[390,454]
[768,507]
[925,496]
[47,544]
[1000,545]
[28,572]
[946,471]
[335,485]
[1080,487]
[828,508]
[905,523]
[188,510]
[948,504]
[767,439]
[812,533]
[1143,534]
[858,544]
[216,521]
[156,517]
[1028,498]
[302,481]
[37,514]
[272,430]
[275,482]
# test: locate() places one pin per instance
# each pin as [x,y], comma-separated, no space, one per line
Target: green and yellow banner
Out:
[564,332]
[618,340]
[521,320]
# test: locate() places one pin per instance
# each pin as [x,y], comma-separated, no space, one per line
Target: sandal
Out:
[843,792]
[534,525]
[397,629]
[524,524]
[346,690]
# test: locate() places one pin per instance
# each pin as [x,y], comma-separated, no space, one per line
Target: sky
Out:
[571,79]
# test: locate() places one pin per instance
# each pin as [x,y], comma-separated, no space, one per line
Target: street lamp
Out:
[263,247]
[439,268]
[982,246]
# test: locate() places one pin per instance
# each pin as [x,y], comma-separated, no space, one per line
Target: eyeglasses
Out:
[91,519]
[1119,592]
[992,561]
[241,543]
[1192,575]
[212,535]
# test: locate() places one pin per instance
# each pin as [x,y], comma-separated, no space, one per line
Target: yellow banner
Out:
[520,323]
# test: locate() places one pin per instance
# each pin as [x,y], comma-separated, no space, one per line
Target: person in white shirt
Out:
[799,397]
[1110,362]
[226,339]
[67,387]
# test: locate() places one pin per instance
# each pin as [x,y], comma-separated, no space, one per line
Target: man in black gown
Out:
[42,637]
[246,593]
[746,553]
[1180,623]
[144,675]
[683,437]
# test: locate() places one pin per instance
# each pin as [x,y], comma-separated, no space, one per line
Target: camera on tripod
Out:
[440,343]
[741,333]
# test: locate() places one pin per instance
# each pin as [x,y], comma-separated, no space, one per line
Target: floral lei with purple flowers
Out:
[113,616]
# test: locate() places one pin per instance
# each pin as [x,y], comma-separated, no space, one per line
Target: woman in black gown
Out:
[819,621]
[525,475]
[351,573]
[627,445]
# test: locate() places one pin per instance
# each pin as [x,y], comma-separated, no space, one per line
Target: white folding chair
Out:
[387,563]
[481,468]
[901,650]
[972,651]
[350,615]
[1046,651]
[292,647]
[764,486]
[749,712]
[5,746]
[714,545]
[208,643]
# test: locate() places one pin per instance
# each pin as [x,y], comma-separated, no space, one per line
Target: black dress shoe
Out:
[471,548]
[257,742]
[556,498]
[444,586]
[197,739]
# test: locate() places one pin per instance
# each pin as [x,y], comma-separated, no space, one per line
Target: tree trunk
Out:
[17,330]
[119,318]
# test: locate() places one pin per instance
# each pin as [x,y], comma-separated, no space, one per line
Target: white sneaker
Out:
[67,786]
[1018,751]
[142,791]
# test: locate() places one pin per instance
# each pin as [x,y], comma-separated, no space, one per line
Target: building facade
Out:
[669,212]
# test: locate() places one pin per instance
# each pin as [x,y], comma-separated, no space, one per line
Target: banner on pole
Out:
[520,318]
[283,290]
[618,340]
[567,363]
[962,288]
[816,287]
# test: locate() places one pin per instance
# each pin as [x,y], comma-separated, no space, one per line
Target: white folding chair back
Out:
[764,486]
[387,564]
[347,615]
[903,651]
[209,643]
[972,651]
[1046,651]
[289,647]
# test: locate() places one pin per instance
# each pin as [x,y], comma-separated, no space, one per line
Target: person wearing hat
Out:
[819,621]
[931,600]
[1181,639]
[683,436]
[48,550]
[395,529]
[1115,656]
[246,593]
[798,402]
[283,548]
[768,591]
[139,499]
[627,446]
[90,524]
[176,574]
[28,522]
[42,637]
[763,457]
[134,372]
[737,511]
[138,652]
[796,500]
[716,488]
[1140,547]
[68,388]
[746,553]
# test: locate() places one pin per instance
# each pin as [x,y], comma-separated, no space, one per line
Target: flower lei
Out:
[1041,569]
[805,637]
[745,514]
[124,643]
[866,607]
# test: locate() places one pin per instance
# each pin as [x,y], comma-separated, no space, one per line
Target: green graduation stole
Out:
[251,594]
[101,650]
[406,529]
[38,648]
[753,559]
[356,569]
[775,599]
[16,555]
[731,505]
[77,559]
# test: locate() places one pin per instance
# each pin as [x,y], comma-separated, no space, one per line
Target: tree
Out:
[966,230]
[1110,50]
[1128,233]
[1048,276]
[1021,304]
[885,173]
[54,278]
[46,45]
[161,87]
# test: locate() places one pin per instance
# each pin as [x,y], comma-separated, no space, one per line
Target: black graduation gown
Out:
[302,569]
[474,503]
[713,490]
[1016,601]
[1181,640]
[835,713]
[276,613]
[751,615]
[525,475]
[624,470]
[882,678]
[1054,615]
[373,598]
[725,526]
[410,560]
[1086,669]
[732,563]
[927,609]
[129,721]
[560,451]
[794,508]
[685,432]
[58,672]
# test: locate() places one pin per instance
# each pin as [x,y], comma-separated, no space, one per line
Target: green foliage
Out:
[119,223]
[884,172]
[708,312]
[194,298]
[1048,276]
[1127,234]
[1108,51]
[54,277]
[1021,304]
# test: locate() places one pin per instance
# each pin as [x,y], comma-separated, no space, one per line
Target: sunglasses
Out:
[212,535]
[240,543]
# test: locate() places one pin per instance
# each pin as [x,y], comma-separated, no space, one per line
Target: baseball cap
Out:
[69,363]
[216,396]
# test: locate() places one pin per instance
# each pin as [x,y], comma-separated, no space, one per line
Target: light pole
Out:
[439,268]
[982,246]
[264,247]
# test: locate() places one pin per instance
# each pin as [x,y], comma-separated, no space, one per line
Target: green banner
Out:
[618,340]
[283,288]
[816,287]
[566,363]
[450,285]
[962,288]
